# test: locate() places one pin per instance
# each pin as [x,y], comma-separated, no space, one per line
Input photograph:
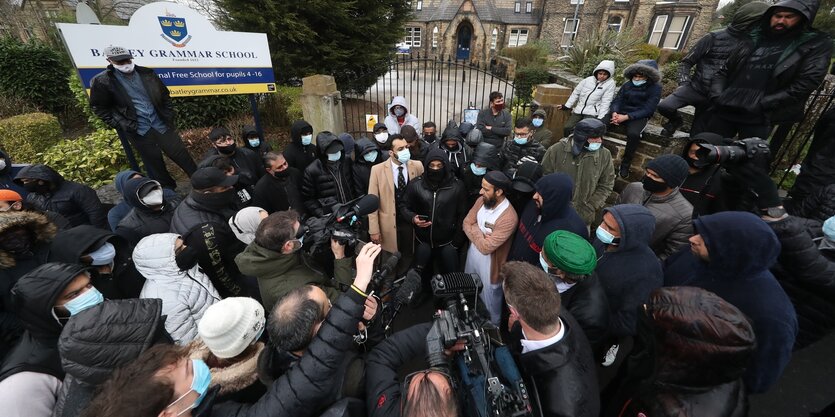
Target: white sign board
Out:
[190,56]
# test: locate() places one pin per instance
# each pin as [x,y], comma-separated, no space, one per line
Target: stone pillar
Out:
[547,97]
[322,104]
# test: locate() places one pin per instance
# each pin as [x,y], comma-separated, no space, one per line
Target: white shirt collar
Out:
[395,172]
[531,345]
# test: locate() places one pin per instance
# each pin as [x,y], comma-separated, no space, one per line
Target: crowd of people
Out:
[683,297]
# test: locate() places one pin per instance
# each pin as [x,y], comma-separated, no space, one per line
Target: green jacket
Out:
[279,274]
[593,174]
[544,136]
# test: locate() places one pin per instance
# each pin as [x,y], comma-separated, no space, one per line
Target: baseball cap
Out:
[117,53]
[9,195]
[209,177]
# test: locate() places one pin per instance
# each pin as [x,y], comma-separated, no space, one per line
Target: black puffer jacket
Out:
[808,279]
[125,282]
[247,163]
[302,391]
[280,193]
[639,102]
[819,205]
[513,154]
[141,220]
[101,339]
[800,70]
[549,370]
[34,298]
[445,204]
[206,231]
[78,203]
[361,167]
[112,104]
[297,155]
[689,357]
[327,183]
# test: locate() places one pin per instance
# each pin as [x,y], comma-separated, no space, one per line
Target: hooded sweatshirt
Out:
[459,155]
[742,248]
[361,167]
[263,146]
[141,220]
[556,214]
[394,123]
[326,183]
[631,271]
[297,155]
[592,97]
[120,210]
[78,203]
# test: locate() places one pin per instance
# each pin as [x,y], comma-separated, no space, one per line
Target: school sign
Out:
[190,56]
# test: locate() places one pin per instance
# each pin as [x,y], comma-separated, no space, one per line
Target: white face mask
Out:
[126,69]
[2,164]
[382,137]
[153,198]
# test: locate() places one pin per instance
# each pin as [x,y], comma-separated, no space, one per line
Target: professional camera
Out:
[753,149]
[485,369]
[342,224]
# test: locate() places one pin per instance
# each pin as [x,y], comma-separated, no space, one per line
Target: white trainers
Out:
[611,354]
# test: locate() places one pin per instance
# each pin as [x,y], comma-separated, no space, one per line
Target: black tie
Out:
[401,181]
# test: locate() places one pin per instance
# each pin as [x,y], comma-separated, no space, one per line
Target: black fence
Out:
[436,89]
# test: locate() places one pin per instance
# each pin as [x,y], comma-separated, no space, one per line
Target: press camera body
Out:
[342,224]
[737,152]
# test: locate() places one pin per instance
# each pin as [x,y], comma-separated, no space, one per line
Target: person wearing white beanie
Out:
[245,222]
[229,332]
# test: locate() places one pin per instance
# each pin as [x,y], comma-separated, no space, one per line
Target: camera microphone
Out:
[410,286]
[363,206]
[452,284]
[386,270]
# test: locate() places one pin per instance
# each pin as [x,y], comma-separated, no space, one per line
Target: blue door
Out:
[465,37]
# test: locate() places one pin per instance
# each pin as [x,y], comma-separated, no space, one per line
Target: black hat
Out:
[498,179]
[218,133]
[526,176]
[205,178]
[672,169]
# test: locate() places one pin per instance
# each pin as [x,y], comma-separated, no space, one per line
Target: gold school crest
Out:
[174,30]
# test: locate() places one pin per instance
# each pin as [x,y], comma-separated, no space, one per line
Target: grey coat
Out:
[673,217]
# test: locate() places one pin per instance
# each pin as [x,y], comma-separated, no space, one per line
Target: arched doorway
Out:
[464,40]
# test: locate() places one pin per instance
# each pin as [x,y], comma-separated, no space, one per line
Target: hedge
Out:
[93,159]
[35,72]
[27,135]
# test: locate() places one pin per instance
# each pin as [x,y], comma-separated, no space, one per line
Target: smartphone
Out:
[423,217]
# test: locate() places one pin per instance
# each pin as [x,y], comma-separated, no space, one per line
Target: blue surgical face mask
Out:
[200,384]
[537,122]
[594,146]
[254,142]
[83,301]
[307,139]
[404,156]
[371,156]
[334,156]
[606,237]
[544,264]
[479,171]
[829,228]
[520,140]
[638,83]
[103,255]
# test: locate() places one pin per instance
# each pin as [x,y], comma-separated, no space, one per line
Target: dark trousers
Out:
[633,138]
[426,257]
[729,129]
[683,96]
[151,146]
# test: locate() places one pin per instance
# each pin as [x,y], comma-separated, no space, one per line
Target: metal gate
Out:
[437,90]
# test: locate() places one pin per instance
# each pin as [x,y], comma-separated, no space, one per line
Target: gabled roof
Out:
[446,10]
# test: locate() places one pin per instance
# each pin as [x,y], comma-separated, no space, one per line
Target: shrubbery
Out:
[27,135]
[82,101]
[532,54]
[208,110]
[34,72]
[93,159]
[526,79]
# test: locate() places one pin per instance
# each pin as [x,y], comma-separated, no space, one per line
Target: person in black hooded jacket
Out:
[280,189]
[150,213]
[435,205]
[484,159]
[108,254]
[301,151]
[99,340]
[703,186]
[48,191]
[247,162]
[254,142]
[328,180]
[367,155]
[243,191]
[459,154]
[549,210]
[44,299]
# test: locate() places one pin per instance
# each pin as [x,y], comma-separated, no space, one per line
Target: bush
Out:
[531,54]
[645,51]
[36,73]
[14,106]
[526,79]
[208,110]
[27,135]
[82,102]
[282,108]
[93,159]
[588,51]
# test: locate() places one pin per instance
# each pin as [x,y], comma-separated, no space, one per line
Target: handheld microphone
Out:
[410,286]
[363,206]
[386,270]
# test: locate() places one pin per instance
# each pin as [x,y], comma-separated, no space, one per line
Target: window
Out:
[615,23]
[576,1]
[420,5]
[518,7]
[528,7]
[494,39]
[435,37]
[518,37]
[657,30]
[675,33]
[569,32]
[412,37]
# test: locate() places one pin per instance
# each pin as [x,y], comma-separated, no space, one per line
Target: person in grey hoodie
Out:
[399,116]
[592,97]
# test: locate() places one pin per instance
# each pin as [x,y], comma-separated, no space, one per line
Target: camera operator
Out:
[275,260]
[553,353]
[171,384]
[428,392]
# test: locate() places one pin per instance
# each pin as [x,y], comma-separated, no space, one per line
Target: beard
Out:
[491,203]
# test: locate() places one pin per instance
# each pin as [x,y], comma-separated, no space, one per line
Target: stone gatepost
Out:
[547,97]
[322,104]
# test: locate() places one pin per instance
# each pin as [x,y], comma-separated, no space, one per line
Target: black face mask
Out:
[434,177]
[281,174]
[219,200]
[692,162]
[35,187]
[227,150]
[430,138]
[186,259]
[652,185]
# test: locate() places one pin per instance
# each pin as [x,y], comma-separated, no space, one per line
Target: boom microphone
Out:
[410,286]
[363,206]
[452,284]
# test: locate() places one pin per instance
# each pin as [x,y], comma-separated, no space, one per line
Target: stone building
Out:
[477,30]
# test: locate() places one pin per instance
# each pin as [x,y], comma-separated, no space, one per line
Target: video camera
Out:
[342,224]
[750,149]
[485,368]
